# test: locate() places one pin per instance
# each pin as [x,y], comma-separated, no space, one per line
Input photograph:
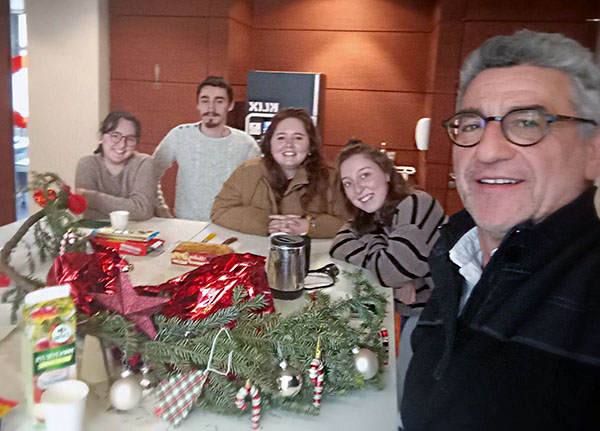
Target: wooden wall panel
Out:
[179,45]
[7,167]
[161,7]
[240,10]
[239,92]
[330,153]
[217,48]
[239,52]
[445,57]
[337,15]
[476,32]
[437,182]
[438,176]
[373,117]
[351,60]
[160,109]
[452,204]
[531,10]
[440,146]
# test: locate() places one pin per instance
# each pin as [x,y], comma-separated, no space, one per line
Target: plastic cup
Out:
[119,219]
[64,403]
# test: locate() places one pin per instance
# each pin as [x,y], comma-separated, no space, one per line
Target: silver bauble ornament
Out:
[289,380]
[365,362]
[126,393]
[147,381]
[126,372]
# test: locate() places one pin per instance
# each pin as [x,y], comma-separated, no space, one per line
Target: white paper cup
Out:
[119,219]
[64,403]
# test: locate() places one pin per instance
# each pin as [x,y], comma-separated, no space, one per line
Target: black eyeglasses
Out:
[523,127]
[117,137]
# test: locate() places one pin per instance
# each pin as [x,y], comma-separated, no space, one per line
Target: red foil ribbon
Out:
[194,295]
[209,288]
[87,273]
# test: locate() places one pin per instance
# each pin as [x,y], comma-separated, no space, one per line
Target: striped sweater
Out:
[399,254]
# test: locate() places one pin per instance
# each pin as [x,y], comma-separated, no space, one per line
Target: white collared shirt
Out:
[467,255]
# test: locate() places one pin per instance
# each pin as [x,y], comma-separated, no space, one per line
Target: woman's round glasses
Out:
[523,127]
[117,137]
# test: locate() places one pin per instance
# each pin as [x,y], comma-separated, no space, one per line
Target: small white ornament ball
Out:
[366,362]
[126,393]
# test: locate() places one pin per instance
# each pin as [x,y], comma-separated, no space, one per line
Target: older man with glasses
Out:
[510,338]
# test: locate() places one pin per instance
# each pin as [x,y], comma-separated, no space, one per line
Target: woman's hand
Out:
[277,224]
[407,294]
[80,191]
[288,223]
[297,225]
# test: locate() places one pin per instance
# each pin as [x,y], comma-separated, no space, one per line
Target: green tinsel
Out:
[259,342]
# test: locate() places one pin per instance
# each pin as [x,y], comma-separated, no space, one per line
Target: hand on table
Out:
[288,223]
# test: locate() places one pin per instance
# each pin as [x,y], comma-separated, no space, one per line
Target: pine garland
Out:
[259,342]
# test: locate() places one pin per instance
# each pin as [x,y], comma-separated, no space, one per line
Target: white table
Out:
[362,410]
[156,270]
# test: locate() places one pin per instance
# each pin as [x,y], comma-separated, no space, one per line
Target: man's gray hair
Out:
[551,50]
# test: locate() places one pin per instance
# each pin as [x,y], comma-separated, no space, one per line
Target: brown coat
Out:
[247,200]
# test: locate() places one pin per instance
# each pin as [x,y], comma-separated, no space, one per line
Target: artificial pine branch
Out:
[259,342]
[54,216]
[21,282]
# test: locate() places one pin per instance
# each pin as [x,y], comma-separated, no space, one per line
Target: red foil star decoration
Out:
[127,302]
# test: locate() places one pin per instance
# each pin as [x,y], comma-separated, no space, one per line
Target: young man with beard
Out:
[206,152]
[510,337]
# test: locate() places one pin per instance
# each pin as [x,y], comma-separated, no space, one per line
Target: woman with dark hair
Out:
[289,190]
[116,177]
[393,228]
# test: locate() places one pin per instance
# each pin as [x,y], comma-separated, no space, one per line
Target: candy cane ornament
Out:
[316,365]
[385,341]
[316,374]
[68,238]
[240,402]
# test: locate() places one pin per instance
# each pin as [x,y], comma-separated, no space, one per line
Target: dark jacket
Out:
[525,352]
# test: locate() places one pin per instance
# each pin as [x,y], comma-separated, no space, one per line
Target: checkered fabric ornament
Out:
[178,394]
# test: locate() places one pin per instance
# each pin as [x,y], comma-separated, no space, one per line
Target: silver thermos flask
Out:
[287,265]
